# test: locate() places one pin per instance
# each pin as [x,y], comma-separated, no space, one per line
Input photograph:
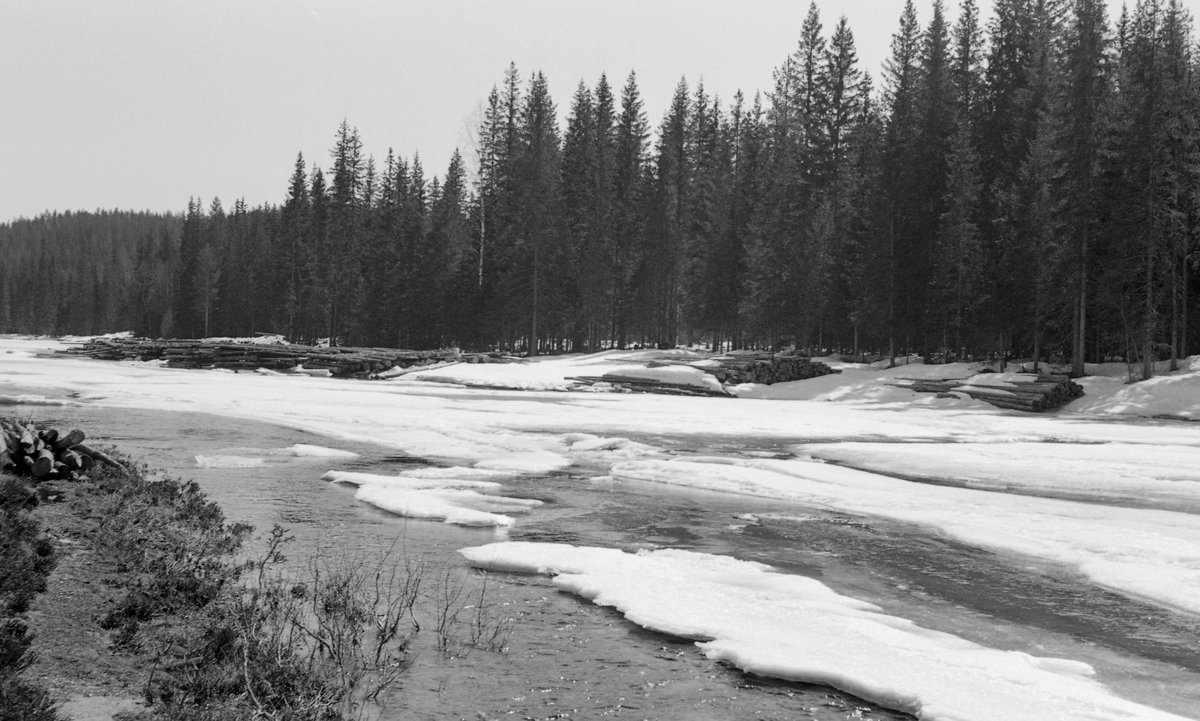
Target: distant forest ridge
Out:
[1028,188]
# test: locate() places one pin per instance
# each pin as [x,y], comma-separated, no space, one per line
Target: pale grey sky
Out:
[141,104]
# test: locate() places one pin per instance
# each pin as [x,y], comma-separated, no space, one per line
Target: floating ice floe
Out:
[796,628]
[229,462]
[305,450]
[450,494]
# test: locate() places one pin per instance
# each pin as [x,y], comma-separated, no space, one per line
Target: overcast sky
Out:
[141,105]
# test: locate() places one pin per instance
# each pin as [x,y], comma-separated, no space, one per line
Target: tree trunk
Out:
[533,316]
[1183,321]
[1078,365]
[1148,325]
[1174,317]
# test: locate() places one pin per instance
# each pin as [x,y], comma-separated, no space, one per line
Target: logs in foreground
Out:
[46,454]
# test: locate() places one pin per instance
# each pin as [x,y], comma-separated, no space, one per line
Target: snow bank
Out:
[1166,395]
[1094,469]
[864,384]
[554,373]
[1153,554]
[452,496]
[305,450]
[797,628]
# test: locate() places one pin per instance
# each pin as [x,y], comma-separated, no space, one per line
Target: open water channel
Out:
[568,658]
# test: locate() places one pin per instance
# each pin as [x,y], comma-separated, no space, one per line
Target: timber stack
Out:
[633,384]
[768,368]
[757,367]
[45,454]
[339,361]
[1018,392]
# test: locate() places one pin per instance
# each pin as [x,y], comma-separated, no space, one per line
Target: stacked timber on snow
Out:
[756,367]
[1013,391]
[732,369]
[338,361]
[768,368]
[46,454]
[634,384]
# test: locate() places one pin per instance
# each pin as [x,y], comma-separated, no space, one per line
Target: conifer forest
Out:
[1027,186]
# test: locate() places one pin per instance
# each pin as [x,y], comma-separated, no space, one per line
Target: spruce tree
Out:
[630,198]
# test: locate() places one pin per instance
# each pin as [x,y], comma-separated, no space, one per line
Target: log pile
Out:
[339,361]
[46,454]
[633,384]
[770,368]
[754,367]
[1030,393]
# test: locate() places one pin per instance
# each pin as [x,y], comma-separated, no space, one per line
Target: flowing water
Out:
[568,658]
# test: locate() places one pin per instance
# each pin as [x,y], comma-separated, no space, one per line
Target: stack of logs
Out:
[754,367]
[768,368]
[45,454]
[1035,394]
[633,384]
[339,361]
[738,367]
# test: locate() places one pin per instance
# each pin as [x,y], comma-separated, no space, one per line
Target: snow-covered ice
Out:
[228,462]
[453,496]
[305,450]
[796,628]
[1155,554]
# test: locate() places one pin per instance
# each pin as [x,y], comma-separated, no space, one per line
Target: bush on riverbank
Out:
[231,640]
[220,638]
[26,560]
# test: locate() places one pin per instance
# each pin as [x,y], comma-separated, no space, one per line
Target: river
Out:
[568,658]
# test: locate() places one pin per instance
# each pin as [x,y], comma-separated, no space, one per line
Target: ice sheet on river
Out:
[1094,469]
[305,450]
[1149,553]
[449,494]
[797,628]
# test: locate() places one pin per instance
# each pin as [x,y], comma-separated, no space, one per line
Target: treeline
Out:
[1028,188]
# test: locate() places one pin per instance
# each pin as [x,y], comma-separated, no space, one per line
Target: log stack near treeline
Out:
[46,454]
[339,361]
[1014,391]
[756,367]
[733,369]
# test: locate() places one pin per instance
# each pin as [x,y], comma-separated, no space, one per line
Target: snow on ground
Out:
[865,384]
[1176,395]
[554,373]
[452,495]
[796,628]
[1149,553]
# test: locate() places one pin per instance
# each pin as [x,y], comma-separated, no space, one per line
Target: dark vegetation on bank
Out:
[26,559]
[214,636]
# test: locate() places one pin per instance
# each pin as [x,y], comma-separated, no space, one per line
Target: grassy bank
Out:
[26,560]
[156,598]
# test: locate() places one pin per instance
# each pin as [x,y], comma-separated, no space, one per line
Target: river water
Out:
[568,658]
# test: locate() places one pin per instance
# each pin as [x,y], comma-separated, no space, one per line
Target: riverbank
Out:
[156,614]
